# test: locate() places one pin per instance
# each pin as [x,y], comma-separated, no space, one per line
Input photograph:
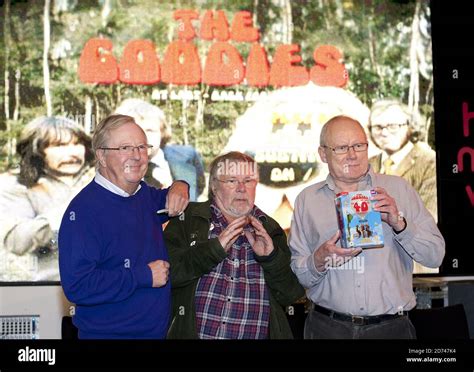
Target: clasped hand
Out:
[258,237]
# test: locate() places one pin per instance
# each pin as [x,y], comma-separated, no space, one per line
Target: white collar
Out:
[106,184]
[398,156]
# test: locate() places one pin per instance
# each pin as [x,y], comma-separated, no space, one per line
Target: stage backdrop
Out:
[258,76]
[454,102]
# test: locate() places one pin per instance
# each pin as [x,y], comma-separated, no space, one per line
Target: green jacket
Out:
[193,255]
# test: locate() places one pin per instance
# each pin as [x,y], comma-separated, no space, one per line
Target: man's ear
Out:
[212,185]
[322,154]
[100,155]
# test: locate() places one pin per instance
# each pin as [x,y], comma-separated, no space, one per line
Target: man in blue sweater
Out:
[112,257]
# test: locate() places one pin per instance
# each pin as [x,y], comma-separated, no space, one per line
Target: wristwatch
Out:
[398,232]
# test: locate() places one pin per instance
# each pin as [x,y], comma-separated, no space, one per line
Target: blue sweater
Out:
[105,244]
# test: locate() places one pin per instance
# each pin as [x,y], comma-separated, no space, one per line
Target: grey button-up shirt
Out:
[379,280]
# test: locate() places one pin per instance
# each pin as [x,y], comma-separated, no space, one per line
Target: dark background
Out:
[453,50]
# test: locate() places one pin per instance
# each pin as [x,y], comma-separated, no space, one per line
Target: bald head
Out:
[343,146]
[336,124]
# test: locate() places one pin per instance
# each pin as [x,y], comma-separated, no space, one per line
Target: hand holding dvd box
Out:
[360,224]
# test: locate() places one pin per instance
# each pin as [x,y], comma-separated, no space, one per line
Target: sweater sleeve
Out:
[81,249]
[158,197]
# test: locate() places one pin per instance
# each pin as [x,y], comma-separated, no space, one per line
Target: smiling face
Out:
[346,169]
[234,192]
[65,159]
[124,170]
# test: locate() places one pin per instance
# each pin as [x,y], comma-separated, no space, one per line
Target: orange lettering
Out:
[329,70]
[139,64]
[185,27]
[181,64]
[97,64]
[258,71]
[242,28]
[223,65]
[283,72]
[215,27]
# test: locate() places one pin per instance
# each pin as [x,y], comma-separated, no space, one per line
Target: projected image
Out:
[257,76]
[54,165]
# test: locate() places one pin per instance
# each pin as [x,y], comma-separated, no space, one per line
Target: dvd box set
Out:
[360,225]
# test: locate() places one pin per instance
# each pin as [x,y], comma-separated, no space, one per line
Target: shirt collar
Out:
[365,183]
[106,184]
[398,156]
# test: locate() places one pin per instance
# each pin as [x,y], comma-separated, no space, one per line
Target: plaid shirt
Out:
[232,301]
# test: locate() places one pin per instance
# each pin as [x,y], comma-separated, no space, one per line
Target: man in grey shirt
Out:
[355,293]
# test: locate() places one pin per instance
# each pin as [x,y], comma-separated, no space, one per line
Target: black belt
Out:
[357,319]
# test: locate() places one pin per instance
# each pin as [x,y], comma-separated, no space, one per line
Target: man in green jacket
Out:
[230,262]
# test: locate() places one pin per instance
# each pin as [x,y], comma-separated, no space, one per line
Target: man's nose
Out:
[241,186]
[384,131]
[351,152]
[136,154]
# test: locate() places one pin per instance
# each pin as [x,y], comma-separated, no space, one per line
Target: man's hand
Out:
[178,198]
[329,254]
[388,209]
[230,234]
[160,272]
[259,239]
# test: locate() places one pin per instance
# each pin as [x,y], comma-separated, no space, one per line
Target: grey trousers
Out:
[320,326]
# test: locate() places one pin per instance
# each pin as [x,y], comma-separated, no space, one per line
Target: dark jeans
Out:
[320,326]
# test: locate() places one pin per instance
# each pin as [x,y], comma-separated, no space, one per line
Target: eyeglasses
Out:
[339,150]
[233,182]
[392,128]
[129,149]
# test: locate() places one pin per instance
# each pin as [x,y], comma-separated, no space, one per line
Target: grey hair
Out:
[233,156]
[103,129]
